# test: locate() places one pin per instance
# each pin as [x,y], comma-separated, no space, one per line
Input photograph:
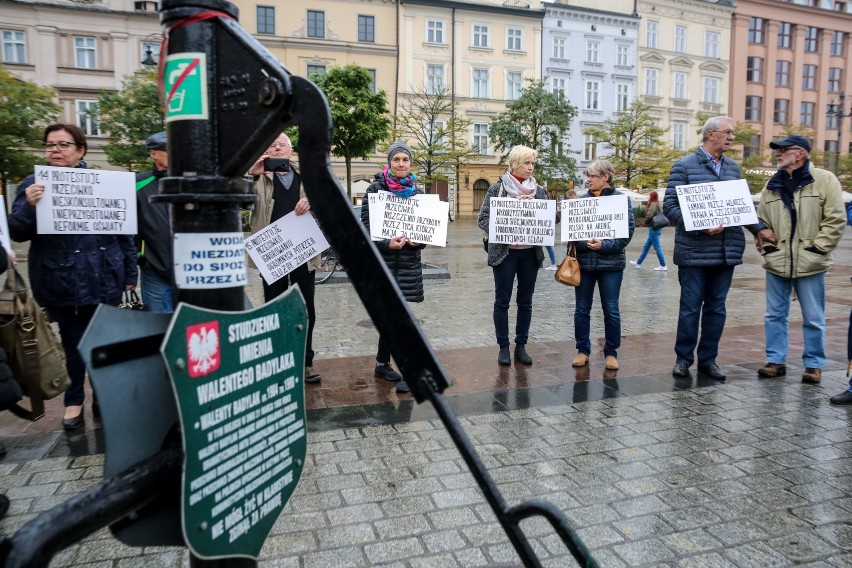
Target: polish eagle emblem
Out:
[202,345]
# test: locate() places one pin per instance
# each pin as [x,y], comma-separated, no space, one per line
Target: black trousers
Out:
[304,279]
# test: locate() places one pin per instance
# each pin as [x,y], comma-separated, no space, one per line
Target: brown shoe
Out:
[812,376]
[772,370]
[580,360]
[611,363]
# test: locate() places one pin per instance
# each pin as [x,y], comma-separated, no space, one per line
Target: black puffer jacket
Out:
[404,263]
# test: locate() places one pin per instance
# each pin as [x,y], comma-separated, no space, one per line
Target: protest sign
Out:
[708,205]
[595,218]
[522,221]
[80,201]
[422,218]
[281,247]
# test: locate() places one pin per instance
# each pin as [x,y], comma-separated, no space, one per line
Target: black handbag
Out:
[131,301]
[659,221]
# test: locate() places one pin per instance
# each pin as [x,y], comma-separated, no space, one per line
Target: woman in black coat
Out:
[401,255]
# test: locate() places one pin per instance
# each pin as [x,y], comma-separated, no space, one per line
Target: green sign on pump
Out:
[238,381]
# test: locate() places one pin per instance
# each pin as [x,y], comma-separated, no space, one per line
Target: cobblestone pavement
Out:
[651,472]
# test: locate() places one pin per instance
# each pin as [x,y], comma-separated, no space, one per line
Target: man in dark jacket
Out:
[152,239]
[705,258]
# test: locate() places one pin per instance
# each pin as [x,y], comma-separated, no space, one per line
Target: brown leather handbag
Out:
[568,272]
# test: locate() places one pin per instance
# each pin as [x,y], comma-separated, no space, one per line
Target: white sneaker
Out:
[635,264]
[662,268]
[552,267]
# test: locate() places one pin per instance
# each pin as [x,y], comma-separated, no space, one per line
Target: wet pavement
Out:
[653,471]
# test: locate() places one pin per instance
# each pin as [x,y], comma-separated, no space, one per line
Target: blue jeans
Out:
[609,289]
[157,292]
[653,240]
[523,264]
[810,291]
[552,256]
[703,290]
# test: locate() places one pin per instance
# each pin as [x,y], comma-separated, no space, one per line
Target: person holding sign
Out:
[706,258]
[802,206]
[511,261]
[279,191]
[401,255]
[71,274]
[602,261]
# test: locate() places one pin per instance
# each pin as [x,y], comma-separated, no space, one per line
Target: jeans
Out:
[609,289]
[552,256]
[306,281]
[703,290]
[157,292]
[653,240]
[810,291]
[72,324]
[523,264]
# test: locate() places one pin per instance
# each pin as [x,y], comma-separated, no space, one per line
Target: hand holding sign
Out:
[420,219]
[712,206]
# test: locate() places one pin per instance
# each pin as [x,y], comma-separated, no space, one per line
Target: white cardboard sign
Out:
[422,218]
[209,260]
[281,247]
[708,205]
[595,218]
[85,202]
[5,242]
[522,221]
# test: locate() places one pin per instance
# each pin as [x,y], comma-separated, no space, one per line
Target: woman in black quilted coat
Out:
[401,255]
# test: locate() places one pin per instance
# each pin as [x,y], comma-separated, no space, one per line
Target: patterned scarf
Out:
[515,188]
[402,187]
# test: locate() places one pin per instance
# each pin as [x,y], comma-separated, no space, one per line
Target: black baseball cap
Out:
[799,141]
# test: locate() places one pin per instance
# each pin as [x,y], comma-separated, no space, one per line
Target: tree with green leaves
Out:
[25,110]
[436,133]
[130,116]
[359,116]
[636,146]
[539,120]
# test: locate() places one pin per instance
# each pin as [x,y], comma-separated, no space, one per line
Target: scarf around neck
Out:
[402,187]
[515,188]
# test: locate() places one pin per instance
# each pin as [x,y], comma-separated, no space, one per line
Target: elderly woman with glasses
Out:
[602,263]
[71,274]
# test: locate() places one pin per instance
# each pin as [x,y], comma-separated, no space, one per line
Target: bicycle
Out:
[327,266]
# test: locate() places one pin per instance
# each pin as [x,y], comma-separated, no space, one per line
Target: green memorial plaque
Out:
[238,382]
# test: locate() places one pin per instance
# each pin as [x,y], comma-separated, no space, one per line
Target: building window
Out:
[837,40]
[711,90]
[755,30]
[679,135]
[558,86]
[652,29]
[367,29]
[651,81]
[809,75]
[514,39]
[807,118]
[14,48]
[680,39]
[480,137]
[151,48]
[265,20]
[559,48]
[593,50]
[85,54]
[785,35]
[752,108]
[87,117]
[679,85]
[514,84]
[835,75]
[832,149]
[622,97]
[711,44]
[480,35]
[753,147]
[434,79]
[593,89]
[781,115]
[316,23]
[317,70]
[782,73]
[622,55]
[372,73]
[832,122]
[590,148]
[480,84]
[754,70]
[434,31]
[811,36]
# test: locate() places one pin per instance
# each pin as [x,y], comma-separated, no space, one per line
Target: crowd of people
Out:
[800,221]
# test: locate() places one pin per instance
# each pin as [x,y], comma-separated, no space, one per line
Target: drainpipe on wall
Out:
[453,196]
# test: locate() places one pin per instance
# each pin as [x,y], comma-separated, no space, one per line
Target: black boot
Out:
[503,357]
[521,355]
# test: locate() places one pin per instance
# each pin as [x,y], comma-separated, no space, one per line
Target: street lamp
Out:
[148,43]
[837,109]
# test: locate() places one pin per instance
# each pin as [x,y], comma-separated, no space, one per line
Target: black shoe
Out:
[402,386]
[73,423]
[521,355]
[712,371]
[680,370]
[386,372]
[503,358]
[843,398]
[311,375]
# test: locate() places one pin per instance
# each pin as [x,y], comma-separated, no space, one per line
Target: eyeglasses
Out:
[280,145]
[728,132]
[591,175]
[782,150]
[61,145]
